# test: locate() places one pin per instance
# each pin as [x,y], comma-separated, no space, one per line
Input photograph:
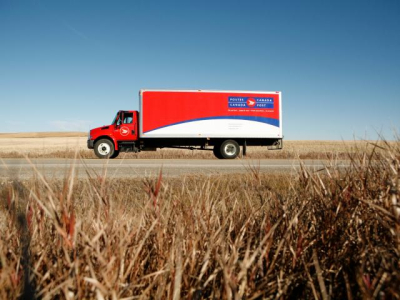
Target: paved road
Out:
[58,168]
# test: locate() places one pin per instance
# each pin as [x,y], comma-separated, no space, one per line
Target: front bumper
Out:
[90,144]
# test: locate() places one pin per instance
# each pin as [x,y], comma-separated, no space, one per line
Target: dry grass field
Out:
[37,144]
[332,234]
[64,145]
[42,134]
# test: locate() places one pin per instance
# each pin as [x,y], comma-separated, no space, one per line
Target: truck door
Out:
[126,127]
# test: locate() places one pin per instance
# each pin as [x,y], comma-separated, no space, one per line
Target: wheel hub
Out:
[104,149]
[230,149]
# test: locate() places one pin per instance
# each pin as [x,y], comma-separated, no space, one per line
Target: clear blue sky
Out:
[70,65]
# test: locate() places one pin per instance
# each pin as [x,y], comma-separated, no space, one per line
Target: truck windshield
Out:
[115,118]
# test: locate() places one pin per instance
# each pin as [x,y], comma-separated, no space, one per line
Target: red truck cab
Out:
[121,134]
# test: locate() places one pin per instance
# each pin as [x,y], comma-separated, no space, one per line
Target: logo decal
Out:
[250,102]
[124,131]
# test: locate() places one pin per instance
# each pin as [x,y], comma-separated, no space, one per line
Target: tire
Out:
[104,148]
[229,149]
[217,151]
[116,153]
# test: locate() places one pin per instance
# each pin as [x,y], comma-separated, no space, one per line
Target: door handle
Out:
[133,131]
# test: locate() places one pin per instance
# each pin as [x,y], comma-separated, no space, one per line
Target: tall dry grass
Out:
[326,234]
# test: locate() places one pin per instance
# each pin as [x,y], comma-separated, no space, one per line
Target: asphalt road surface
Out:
[59,168]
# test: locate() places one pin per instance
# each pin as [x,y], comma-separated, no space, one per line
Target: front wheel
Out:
[116,153]
[229,149]
[104,149]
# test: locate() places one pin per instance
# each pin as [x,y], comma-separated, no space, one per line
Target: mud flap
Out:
[244,151]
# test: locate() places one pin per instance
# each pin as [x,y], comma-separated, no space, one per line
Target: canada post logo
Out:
[250,102]
[124,131]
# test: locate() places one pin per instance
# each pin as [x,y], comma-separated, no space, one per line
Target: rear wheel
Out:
[104,148]
[217,151]
[229,149]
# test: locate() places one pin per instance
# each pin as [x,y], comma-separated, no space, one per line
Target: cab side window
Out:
[128,118]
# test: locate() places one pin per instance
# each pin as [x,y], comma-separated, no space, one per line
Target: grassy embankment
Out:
[329,234]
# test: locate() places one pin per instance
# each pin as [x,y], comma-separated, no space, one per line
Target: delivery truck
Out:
[219,121]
